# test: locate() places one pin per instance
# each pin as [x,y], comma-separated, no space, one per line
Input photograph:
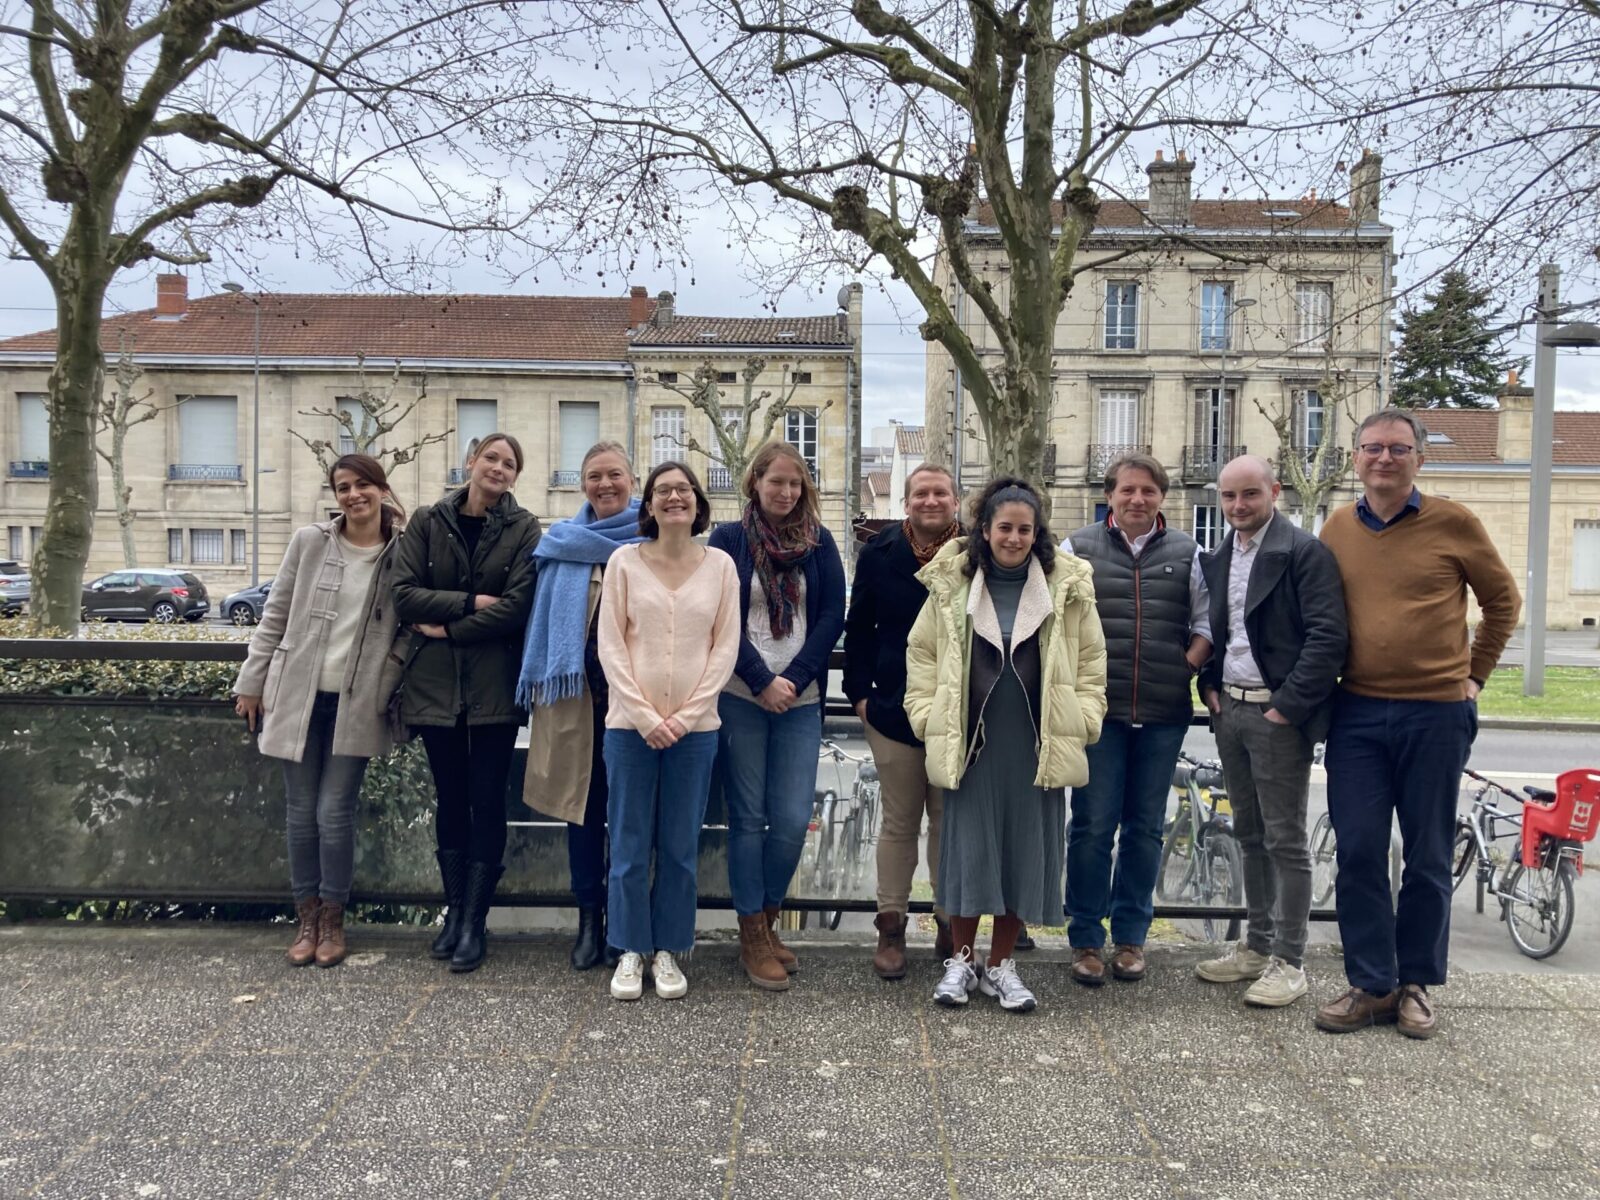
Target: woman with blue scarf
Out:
[564,688]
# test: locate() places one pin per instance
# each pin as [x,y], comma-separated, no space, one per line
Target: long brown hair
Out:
[391,512]
[808,510]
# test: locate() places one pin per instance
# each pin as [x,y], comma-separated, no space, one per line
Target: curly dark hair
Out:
[1006,489]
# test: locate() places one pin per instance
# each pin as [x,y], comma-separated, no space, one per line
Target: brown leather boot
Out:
[1088,965]
[756,957]
[780,952]
[890,960]
[330,935]
[944,942]
[305,938]
[1127,962]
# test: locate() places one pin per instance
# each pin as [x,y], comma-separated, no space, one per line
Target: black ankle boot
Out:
[473,945]
[453,870]
[589,947]
[1024,942]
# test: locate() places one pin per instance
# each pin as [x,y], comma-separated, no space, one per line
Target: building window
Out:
[205,547]
[175,545]
[718,477]
[1311,418]
[1122,316]
[579,423]
[35,539]
[236,547]
[1213,410]
[800,431]
[1216,316]
[666,435]
[208,428]
[1586,556]
[350,437]
[1119,418]
[1313,307]
[33,434]
[14,548]
[475,420]
[727,377]
[1207,526]
[801,377]
[667,376]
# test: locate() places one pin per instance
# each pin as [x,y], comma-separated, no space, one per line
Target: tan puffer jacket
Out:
[1073,684]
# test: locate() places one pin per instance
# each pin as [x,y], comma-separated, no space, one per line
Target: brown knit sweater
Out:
[1406,591]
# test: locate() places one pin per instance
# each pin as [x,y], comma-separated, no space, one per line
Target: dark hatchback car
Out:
[141,595]
[244,607]
[14,587]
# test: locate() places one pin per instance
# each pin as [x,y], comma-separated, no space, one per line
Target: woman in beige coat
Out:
[322,667]
[1006,685]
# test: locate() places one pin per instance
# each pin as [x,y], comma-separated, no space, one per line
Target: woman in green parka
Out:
[1006,684]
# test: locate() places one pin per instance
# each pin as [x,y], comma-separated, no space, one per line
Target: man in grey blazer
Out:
[1279,636]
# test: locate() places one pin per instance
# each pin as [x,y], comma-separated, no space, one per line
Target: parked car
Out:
[15,588]
[143,595]
[244,608]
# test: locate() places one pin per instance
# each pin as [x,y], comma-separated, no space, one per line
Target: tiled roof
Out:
[877,482]
[745,331]
[1307,215]
[1475,436]
[295,325]
[911,439]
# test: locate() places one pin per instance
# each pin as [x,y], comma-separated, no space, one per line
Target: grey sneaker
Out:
[1002,983]
[671,984]
[1279,985]
[628,982]
[1239,964]
[959,981]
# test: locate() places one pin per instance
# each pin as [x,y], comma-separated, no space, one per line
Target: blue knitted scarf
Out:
[552,653]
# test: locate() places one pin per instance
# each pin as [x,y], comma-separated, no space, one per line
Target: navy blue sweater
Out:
[824,609]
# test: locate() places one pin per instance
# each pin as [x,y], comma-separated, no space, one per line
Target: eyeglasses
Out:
[668,490]
[1395,449]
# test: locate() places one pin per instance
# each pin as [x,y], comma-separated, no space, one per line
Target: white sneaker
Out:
[1280,984]
[959,981]
[1002,983]
[628,982]
[671,983]
[1237,965]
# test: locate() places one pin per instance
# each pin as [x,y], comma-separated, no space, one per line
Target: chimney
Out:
[172,295]
[849,314]
[664,313]
[1169,190]
[1516,421]
[1365,177]
[638,306]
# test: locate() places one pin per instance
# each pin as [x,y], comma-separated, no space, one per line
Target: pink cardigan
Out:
[667,654]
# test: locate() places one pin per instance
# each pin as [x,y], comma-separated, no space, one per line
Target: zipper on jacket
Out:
[1138,641]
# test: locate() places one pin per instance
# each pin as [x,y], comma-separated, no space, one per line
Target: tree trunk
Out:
[120,490]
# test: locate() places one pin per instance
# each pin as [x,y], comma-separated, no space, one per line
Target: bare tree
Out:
[377,413]
[139,131]
[121,409]
[735,440]
[1312,465]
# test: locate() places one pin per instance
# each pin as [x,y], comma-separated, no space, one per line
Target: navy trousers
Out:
[1388,759]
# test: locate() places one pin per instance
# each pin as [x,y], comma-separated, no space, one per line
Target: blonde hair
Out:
[605,448]
[808,508]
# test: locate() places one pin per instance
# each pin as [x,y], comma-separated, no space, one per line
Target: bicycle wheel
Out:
[1538,907]
[1176,874]
[1223,877]
[1463,854]
[1324,862]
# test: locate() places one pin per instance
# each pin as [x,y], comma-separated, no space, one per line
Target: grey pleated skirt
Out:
[1004,839]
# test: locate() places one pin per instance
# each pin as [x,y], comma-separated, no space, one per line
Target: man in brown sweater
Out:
[1404,718]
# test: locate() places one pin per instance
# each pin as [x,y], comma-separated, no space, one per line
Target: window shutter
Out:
[580,429]
[475,420]
[208,431]
[34,419]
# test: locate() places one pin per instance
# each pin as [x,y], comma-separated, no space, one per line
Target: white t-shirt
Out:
[777,653]
[350,610]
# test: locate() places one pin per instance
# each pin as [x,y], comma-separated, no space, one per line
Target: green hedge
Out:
[158,679]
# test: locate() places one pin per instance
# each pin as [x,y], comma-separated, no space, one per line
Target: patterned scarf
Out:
[925,553]
[778,555]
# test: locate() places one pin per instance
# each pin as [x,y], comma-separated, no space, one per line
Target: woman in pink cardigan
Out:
[668,637]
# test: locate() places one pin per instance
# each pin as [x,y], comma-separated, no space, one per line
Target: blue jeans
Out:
[657,803]
[1388,759]
[1124,802]
[322,791]
[586,842]
[769,766]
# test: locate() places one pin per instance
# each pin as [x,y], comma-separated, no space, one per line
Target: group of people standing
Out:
[992,668]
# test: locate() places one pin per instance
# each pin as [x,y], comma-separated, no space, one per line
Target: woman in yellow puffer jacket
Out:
[1006,684]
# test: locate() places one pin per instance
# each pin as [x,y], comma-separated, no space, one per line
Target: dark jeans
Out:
[586,843]
[469,765]
[769,769]
[1124,802]
[1389,759]
[322,790]
[1268,771]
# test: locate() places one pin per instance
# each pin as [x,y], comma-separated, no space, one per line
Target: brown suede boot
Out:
[330,935]
[755,955]
[890,960]
[782,953]
[305,938]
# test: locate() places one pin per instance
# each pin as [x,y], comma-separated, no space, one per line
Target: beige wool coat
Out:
[1072,692]
[286,650]
[561,746]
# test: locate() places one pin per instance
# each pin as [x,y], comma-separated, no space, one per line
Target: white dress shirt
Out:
[1239,665]
[1199,594]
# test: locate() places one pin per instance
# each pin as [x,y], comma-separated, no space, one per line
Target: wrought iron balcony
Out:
[719,479]
[1102,456]
[565,479]
[204,472]
[1202,464]
[29,469]
[1335,462]
[455,476]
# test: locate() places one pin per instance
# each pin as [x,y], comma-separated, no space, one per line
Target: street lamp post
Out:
[255,447]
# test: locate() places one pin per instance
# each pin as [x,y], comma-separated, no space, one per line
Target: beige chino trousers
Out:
[907,794]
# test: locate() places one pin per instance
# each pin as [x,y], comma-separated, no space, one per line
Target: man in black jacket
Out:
[1279,637]
[884,602]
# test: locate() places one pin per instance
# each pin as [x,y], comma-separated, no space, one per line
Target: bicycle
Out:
[1535,888]
[1200,858]
[1325,861]
[845,823]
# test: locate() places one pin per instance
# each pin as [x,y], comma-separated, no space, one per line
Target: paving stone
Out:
[494,1022]
[1570,991]
[66,1093]
[240,1097]
[702,1028]
[1357,1181]
[169,1170]
[26,1160]
[1513,1044]
[1057,1112]
[1041,1178]
[334,1170]
[762,1177]
[328,1019]
[408,1099]
[822,1108]
[1222,1034]
[1378,1051]
[872,1028]
[1482,989]
[31,1006]
[609,1174]
[1478,1185]
[642,1108]
[1049,1035]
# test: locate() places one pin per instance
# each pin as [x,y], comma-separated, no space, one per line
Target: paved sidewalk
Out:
[155,1064]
